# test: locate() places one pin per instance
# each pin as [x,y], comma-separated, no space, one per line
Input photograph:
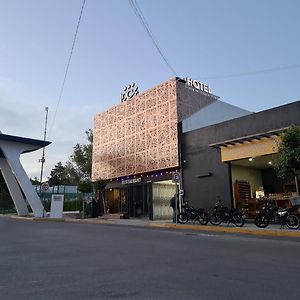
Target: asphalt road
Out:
[49,260]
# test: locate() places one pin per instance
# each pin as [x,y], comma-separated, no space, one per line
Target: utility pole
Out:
[42,160]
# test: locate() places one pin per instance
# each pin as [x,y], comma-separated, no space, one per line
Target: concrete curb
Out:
[83,221]
[239,230]
[87,221]
[20,218]
[206,228]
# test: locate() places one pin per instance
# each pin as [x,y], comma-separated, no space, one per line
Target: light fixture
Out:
[204,175]
[270,162]
[251,159]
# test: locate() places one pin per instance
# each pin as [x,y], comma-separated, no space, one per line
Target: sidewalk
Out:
[249,227]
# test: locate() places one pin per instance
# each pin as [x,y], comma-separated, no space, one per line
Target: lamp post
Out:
[42,160]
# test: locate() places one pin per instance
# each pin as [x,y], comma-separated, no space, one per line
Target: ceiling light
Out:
[269,162]
[250,159]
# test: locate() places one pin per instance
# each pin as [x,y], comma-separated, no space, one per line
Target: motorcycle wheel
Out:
[202,218]
[292,222]
[182,218]
[262,220]
[238,220]
[215,219]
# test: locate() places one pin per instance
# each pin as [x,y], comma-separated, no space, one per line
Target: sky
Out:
[247,51]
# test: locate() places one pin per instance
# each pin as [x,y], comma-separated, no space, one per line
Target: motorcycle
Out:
[224,214]
[191,213]
[270,213]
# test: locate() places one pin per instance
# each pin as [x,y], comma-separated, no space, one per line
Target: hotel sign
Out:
[129,91]
[197,85]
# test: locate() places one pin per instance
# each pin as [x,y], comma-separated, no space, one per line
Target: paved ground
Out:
[62,260]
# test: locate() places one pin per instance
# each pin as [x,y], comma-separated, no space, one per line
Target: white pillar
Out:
[14,188]
[12,152]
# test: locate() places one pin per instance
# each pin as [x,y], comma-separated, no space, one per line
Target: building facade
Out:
[136,147]
[216,150]
[234,160]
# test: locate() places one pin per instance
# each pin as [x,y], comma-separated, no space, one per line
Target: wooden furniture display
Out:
[242,194]
[254,206]
[281,199]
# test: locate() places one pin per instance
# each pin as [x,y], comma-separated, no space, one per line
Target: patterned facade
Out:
[141,135]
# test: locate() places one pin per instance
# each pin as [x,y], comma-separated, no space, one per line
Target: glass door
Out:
[123,207]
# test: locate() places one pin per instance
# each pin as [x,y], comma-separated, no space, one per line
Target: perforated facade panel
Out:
[140,135]
[137,136]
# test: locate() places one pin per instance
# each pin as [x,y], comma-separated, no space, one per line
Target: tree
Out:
[35,181]
[80,162]
[79,166]
[78,171]
[85,187]
[287,165]
[71,174]
[58,176]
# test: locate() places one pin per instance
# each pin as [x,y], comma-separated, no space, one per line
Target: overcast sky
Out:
[206,40]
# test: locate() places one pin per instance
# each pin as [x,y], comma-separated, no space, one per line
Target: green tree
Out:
[287,165]
[79,167]
[85,187]
[58,176]
[80,162]
[78,171]
[71,174]
[35,181]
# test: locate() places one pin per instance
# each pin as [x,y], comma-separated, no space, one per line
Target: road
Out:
[58,260]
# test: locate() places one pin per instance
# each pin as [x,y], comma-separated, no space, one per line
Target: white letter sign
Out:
[197,85]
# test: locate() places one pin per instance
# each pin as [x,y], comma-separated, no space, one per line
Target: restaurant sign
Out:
[132,180]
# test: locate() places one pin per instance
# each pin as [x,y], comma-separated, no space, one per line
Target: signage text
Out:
[131,180]
[200,86]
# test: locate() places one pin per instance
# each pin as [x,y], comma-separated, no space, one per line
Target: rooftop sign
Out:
[129,91]
[197,85]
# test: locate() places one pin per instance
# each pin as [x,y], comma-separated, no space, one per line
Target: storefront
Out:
[251,160]
[234,160]
[140,197]
[255,178]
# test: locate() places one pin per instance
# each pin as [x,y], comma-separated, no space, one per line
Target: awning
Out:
[249,146]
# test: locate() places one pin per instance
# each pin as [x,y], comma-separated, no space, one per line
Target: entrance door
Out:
[123,207]
[138,198]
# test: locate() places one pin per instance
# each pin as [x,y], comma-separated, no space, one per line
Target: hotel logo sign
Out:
[197,85]
[129,91]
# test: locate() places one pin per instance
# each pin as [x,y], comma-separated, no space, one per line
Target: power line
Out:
[68,65]
[143,21]
[249,73]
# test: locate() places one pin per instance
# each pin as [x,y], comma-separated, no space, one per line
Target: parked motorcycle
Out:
[191,213]
[270,213]
[224,214]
